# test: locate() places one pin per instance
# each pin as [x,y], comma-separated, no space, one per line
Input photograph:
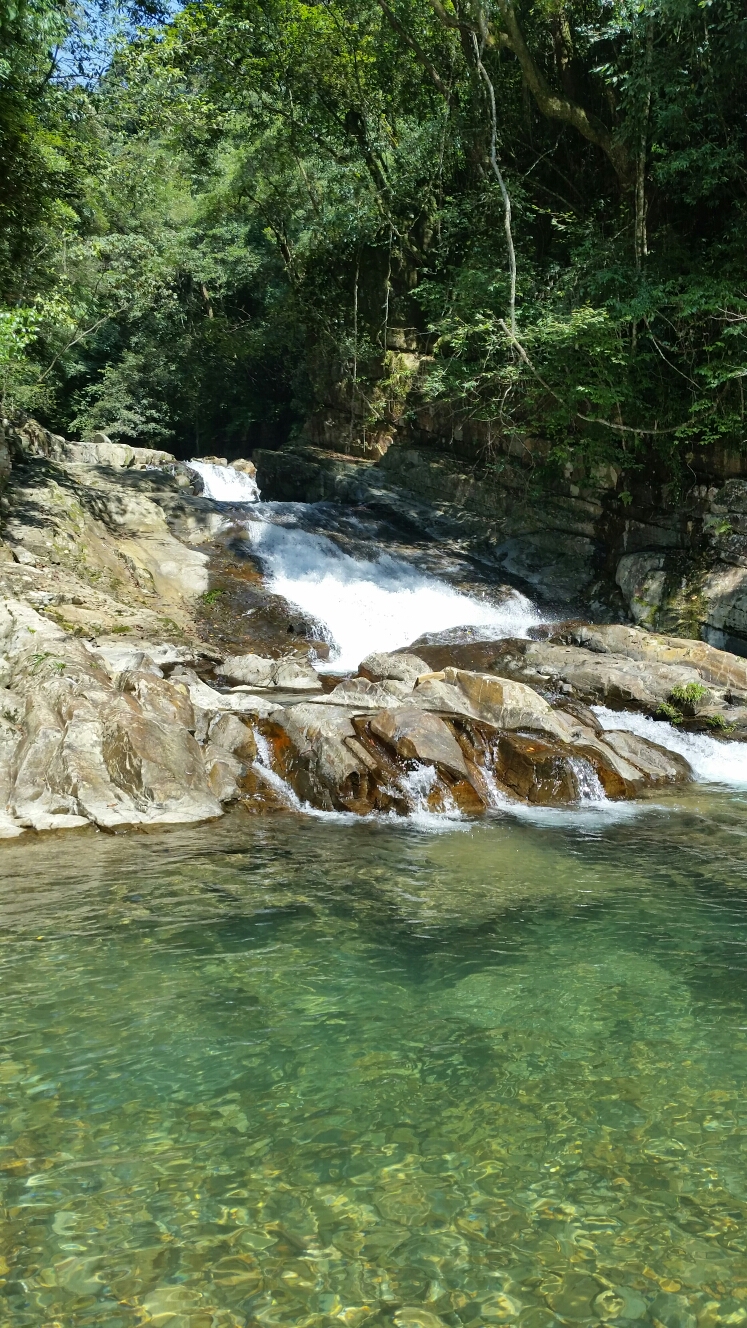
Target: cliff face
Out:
[591,542]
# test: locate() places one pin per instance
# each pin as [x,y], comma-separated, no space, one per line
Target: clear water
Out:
[292,1072]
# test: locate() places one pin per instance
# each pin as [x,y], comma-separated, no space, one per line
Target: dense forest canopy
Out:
[253,204]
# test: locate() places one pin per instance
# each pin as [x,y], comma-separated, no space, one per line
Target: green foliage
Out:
[670,712]
[690,693]
[720,724]
[257,201]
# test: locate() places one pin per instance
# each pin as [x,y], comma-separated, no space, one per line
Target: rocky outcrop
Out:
[455,740]
[624,668]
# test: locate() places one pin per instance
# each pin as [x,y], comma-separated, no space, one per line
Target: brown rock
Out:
[233,735]
[417,735]
[718,667]
[538,770]
[612,680]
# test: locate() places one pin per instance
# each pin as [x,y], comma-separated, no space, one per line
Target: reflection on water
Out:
[293,1073]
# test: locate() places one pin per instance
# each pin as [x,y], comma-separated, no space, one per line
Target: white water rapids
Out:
[361,605]
[712,761]
[379,604]
[224,484]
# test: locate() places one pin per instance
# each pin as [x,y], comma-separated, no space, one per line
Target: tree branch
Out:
[501,182]
[587,419]
[557,107]
[415,46]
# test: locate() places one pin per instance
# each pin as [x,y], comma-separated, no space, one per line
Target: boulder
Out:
[401,668]
[224,771]
[210,702]
[90,750]
[232,735]
[506,704]
[364,695]
[296,675]
[254,670]
[326,765]
[611,680]
[417,735]
[718,667]
[657,765]
[536,769]
[291,674]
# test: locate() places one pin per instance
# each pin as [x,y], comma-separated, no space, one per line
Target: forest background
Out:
[215,218]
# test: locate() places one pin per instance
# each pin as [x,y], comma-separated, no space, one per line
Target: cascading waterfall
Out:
[711,761]
[264,768]
[224,484]
[379,604]
[589,785]
[383,603]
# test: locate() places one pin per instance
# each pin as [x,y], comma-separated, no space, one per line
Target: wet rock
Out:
[234,736]
[417,735]
[536,769]
[658,766]
[244,465]
[401,667]
[328,767]
[673,1311]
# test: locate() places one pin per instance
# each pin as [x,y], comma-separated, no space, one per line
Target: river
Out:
[323,1070]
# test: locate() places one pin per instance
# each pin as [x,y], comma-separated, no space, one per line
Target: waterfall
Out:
[712,761]
[224,484]
[263,768]
[589,785]
[378,604]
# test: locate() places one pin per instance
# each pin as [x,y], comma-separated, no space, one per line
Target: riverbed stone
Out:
[612,680]
[658,765]
[718,667]
[417,735]
[327,769]
[402,667]
[291,674]
[224,771]
[233,735]
[536,769]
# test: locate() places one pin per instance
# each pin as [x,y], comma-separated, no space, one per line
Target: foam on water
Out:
[712,761]
[379,604]
[224,484]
